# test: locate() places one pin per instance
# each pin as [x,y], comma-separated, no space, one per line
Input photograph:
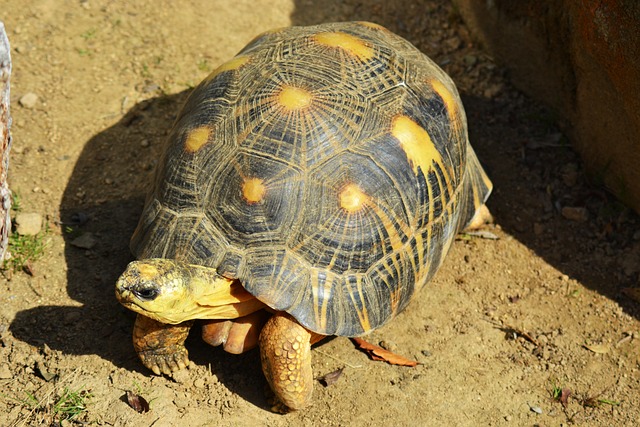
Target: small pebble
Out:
[71,317]
[28,223]
[575,213]
[538,228]
[470,60]
[144,143]
[28,100]
[149,88]
[536,409]
[85,241]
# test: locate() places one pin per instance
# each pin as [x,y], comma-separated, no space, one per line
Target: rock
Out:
[470,60]
[28,223]
[28,100]
[575,213]
[85,241]
[581,59]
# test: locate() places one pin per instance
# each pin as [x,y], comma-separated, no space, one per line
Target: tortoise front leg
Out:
[285,353]
[161,346]
[236,335]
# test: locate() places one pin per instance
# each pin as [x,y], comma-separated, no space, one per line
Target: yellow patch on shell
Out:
[197,138]
[232,64]
[371,25]
[352,199]
[416,143]
[351,44]
[294,98]
[253,190]
[450,102]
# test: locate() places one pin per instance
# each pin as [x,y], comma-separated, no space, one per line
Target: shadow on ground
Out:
[101,205]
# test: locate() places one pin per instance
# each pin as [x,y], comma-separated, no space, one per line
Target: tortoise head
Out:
[171,291]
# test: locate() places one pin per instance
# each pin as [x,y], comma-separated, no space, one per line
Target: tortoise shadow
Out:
[100,208]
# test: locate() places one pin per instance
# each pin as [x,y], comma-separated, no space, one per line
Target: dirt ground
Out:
[503,324]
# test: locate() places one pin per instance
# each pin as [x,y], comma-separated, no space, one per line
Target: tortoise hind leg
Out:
[161,346]
[285,353]
[481,218]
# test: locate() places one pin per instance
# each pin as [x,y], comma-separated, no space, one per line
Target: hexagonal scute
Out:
[253,199]
[297,114]
[354,215]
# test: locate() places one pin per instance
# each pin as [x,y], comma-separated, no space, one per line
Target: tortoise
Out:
[309,187]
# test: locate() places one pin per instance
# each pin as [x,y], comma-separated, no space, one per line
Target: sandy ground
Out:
[503,323]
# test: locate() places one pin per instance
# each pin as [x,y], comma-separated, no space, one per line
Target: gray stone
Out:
[85,241]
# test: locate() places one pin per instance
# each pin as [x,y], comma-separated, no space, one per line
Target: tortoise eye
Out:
[147,294]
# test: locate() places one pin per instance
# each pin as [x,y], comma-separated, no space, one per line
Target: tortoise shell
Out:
[326,167]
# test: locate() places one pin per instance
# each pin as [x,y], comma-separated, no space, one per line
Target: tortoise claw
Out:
[165,360]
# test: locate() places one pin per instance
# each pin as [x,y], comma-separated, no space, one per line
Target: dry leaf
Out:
[28,268]
[331,377]
[137,402]
[564,396]
[598,348]
[379,353]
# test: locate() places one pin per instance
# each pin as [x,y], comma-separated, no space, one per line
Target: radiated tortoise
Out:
[310,186]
